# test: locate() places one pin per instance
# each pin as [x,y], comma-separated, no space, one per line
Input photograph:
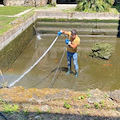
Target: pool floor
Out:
[93,72]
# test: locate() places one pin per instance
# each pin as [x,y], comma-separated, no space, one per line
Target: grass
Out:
[4,24]
[29,14]
[12,10]
[5,21]
[7,107]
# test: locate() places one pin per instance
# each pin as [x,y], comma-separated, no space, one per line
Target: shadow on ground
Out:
[53,116]
[117,7]
[118,34]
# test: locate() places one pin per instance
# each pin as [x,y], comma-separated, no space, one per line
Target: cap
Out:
[74,31]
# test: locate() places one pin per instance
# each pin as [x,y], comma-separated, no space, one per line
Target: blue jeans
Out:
[69,57]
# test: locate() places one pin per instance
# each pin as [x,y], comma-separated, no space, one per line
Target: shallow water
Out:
[93,72]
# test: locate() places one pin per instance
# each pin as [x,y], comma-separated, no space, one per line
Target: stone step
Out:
[80,31]
[78,25]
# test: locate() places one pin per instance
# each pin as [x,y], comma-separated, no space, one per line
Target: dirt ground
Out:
[18,103]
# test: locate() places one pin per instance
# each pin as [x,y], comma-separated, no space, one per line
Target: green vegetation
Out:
[66,105]
[76,20]
[5,21]
[96,105]
[106,95]
[12,10]
[81,97]
[8,108]
[88,94]
[102,103]
[38,111]
[94,5]
[5,24]
[87,106]
[27,15]
[26,112]
[115,8]
[4,85]
[53,4]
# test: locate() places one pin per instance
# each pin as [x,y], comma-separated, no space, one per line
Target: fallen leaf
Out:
[10,70]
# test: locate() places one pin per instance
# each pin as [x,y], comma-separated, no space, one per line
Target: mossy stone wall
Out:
[12,51]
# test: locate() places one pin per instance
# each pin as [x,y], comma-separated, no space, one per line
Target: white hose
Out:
[34,64]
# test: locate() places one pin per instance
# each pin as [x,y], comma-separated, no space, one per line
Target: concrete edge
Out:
[14,32]
[78,15]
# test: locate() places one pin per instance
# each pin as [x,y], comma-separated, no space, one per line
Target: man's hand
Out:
[67,42]
[60,32]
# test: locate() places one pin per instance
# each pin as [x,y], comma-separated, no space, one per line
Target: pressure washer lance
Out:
[58,65]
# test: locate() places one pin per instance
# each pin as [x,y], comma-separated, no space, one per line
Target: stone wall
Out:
[14,41]
[36,3]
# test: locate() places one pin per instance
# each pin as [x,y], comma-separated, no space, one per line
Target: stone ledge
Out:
[20,94]
[15,31]
[77,15]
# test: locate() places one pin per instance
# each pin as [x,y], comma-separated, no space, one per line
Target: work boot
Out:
[68,72]
[76,74]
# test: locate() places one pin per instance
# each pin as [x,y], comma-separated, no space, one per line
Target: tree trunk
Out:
[53,1]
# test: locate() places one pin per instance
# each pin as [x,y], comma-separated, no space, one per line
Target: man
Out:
[73,42]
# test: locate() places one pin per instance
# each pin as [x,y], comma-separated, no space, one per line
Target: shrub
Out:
[94,5]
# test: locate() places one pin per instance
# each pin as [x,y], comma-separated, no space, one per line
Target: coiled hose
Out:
[3,116]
